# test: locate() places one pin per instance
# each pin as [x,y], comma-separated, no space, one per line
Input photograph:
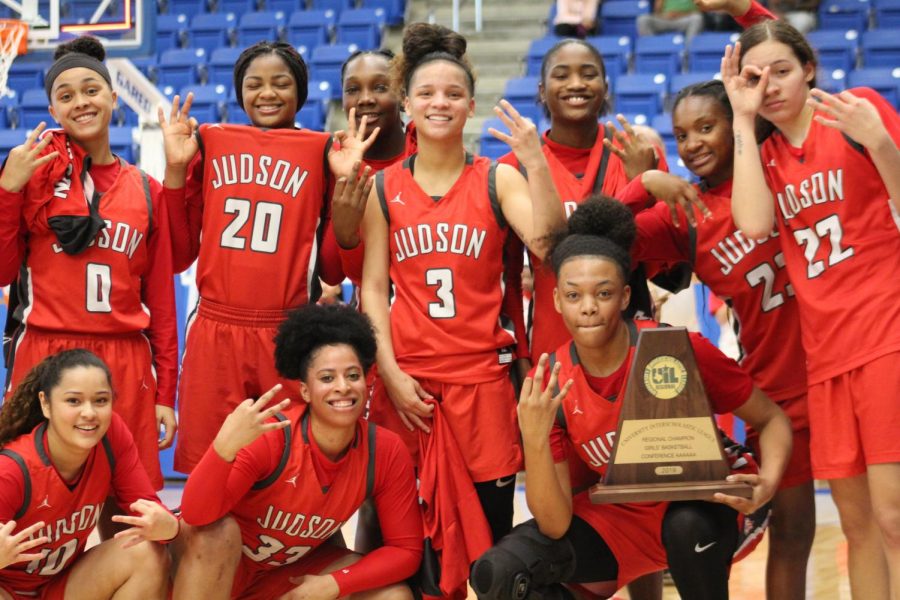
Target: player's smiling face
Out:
[270,93]
[79,411]
[574,87]
[438,99]
[705,139]
[82,103]
[789,80]
[367,88]
[590,295]
[335,386]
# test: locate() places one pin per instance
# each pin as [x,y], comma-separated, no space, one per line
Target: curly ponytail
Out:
[424,43]
[22,412]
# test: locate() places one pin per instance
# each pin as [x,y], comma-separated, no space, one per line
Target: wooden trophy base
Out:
[658,492]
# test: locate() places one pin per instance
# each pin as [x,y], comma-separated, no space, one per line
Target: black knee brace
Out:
[522,565]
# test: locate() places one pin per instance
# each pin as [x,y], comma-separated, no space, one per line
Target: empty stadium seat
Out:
[536,52]
[238,7]
[836,49]
[33,109]
[885,80]
[171,31]
[24,76]
[640,93]
[616,52]
[212,31]
[326,63]
[706,49]
[832,80]
[9,139]
[887,13]
[393,9]
[663,126]
[180,67]
[844,15]
[522,93]
[338,6]
[491,147]
[258,27]
[285,6]
[881,48]
[682,80]
[190,8]
[317,103]
[221,65]
[310,28]
[208,103]
[659,54]
[361,26]
[618,17]
[121,141]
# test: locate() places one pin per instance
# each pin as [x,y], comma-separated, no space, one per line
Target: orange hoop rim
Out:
[10,27]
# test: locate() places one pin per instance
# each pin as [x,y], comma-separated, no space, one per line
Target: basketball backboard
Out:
[126,27]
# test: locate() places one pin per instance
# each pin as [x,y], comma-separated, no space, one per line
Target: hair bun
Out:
[83,45]
[422,39]
[605,217]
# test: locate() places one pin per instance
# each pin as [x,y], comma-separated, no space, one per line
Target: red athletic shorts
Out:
[482,417]
[54,589]
[799,468]
[854,419]
[133,379]
[229,356]
[254,583]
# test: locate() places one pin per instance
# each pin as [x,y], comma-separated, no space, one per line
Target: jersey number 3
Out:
[266,225]
[446,307]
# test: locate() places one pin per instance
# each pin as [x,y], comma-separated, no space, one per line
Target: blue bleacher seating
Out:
[9,106]
[682,80]
[33,109]
[706,49]
[221,65]
[361,26]
[491,147]
[123,115]
[181,67]
[9,139]
[887,13]
[285,6]
[832,80]
[844,15]
[536,52]
[885,80]
[659,54]
[881,48]
[393,9]
[663,126]
[522,92]
[618,17]
[209,101]
[640,93]
[259,26]
[171,31]
[190,8]
[310,28]
[616,53]
[836,49]
[326,63]
[212,31]
[25,75]
[234,113]
[146,65]
[317,103]
[121,140]
[338,6]
[237,7]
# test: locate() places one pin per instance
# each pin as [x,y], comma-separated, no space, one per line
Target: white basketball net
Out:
[9,46]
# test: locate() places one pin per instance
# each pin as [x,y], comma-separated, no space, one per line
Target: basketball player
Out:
[435,228]
[64,451]
[571,539]
[86,237]
[290,483]
[259,196]
[828,179]
[750,276]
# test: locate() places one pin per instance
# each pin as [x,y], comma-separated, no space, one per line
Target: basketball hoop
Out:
[13,42]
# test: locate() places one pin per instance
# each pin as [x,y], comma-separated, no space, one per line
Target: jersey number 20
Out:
[266,218]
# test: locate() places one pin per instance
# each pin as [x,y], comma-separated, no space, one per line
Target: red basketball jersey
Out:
[604,173]
[446,264]
[69,511]
[286,516]
[749,274]
[840,242]
[264,205]
[98,291]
